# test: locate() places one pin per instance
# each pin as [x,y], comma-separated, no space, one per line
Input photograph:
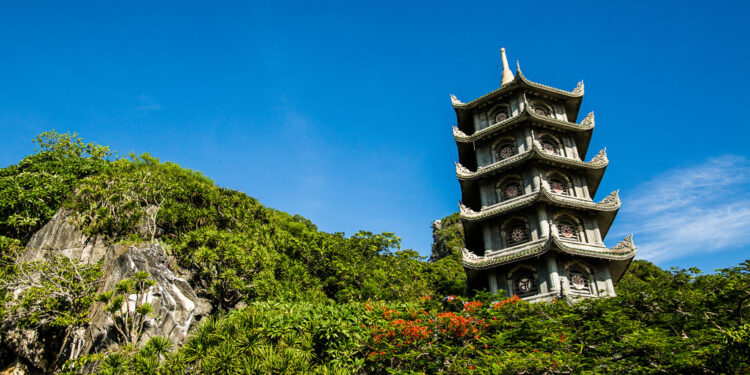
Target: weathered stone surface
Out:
[28,345]
[177,307]
[15,368]
[61,237]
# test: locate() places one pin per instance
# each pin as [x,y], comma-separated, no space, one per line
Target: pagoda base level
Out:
[546,278]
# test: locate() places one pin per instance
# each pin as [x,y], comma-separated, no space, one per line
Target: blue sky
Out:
[340,112]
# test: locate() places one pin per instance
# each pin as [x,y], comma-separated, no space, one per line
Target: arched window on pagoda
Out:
[499,114]
[516,231]
[542,109]
[505,148]
[569,228]
[580,278]
[550,144]
[560,183]
[509,188]
[524,281]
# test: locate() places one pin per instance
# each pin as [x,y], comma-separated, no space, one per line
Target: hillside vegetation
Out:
[288,298]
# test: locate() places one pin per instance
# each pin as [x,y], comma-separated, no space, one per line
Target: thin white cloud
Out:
[687,211]
[147,103]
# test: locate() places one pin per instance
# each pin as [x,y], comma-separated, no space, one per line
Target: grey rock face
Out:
[61,237]
[177,307]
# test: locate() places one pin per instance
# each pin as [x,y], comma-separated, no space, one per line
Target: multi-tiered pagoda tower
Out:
[531,227]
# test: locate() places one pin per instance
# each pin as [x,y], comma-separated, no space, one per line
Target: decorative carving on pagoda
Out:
[623,251]
[589,120]
[458,134]
[601,157]
[613,199]
[454,100]
[465,174]
[514,119]
[626,245]
[469,256]
[466,211]
[462,171]
[609,203]
[579,88]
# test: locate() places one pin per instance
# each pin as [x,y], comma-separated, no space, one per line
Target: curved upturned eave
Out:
[594,169]
[521,81]
[587,125]
[622,253]
[599,161]
[607,207]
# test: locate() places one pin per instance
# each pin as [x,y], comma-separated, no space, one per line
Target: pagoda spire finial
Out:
[507,75]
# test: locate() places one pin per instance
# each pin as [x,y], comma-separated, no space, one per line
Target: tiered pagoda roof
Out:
[607,207]
[622,252]
[582,131]
[466,138]
[594,169]
[572,99]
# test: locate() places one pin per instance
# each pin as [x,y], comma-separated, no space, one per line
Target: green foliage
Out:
[277,338]
[158,346]
[448,239]
[114,364]
[241,250]
[694,333]
[127,199]
[70,145]
[10,248]
[244,251]
[55,293]
[448,236]
[33,190]
[129,320]
[305,289]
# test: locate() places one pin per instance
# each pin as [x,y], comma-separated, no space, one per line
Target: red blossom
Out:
[472,306]
[506,301]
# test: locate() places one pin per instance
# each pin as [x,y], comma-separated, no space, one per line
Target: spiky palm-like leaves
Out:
[158,345]
[127,306]
[273,338]
[144,365]
[155,357]
[114,364]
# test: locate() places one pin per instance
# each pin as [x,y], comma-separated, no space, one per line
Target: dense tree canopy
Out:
[289,298]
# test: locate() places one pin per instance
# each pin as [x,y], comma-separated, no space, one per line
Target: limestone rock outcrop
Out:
[61,237]
[177,306]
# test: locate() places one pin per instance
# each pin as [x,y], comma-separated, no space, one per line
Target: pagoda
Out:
[531,226]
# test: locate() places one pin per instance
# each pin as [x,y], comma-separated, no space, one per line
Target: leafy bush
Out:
[244,251]
[57,292]
[33,190]
[693,333]
[326,303]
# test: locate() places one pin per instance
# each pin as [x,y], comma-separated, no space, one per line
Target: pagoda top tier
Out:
[509,83]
